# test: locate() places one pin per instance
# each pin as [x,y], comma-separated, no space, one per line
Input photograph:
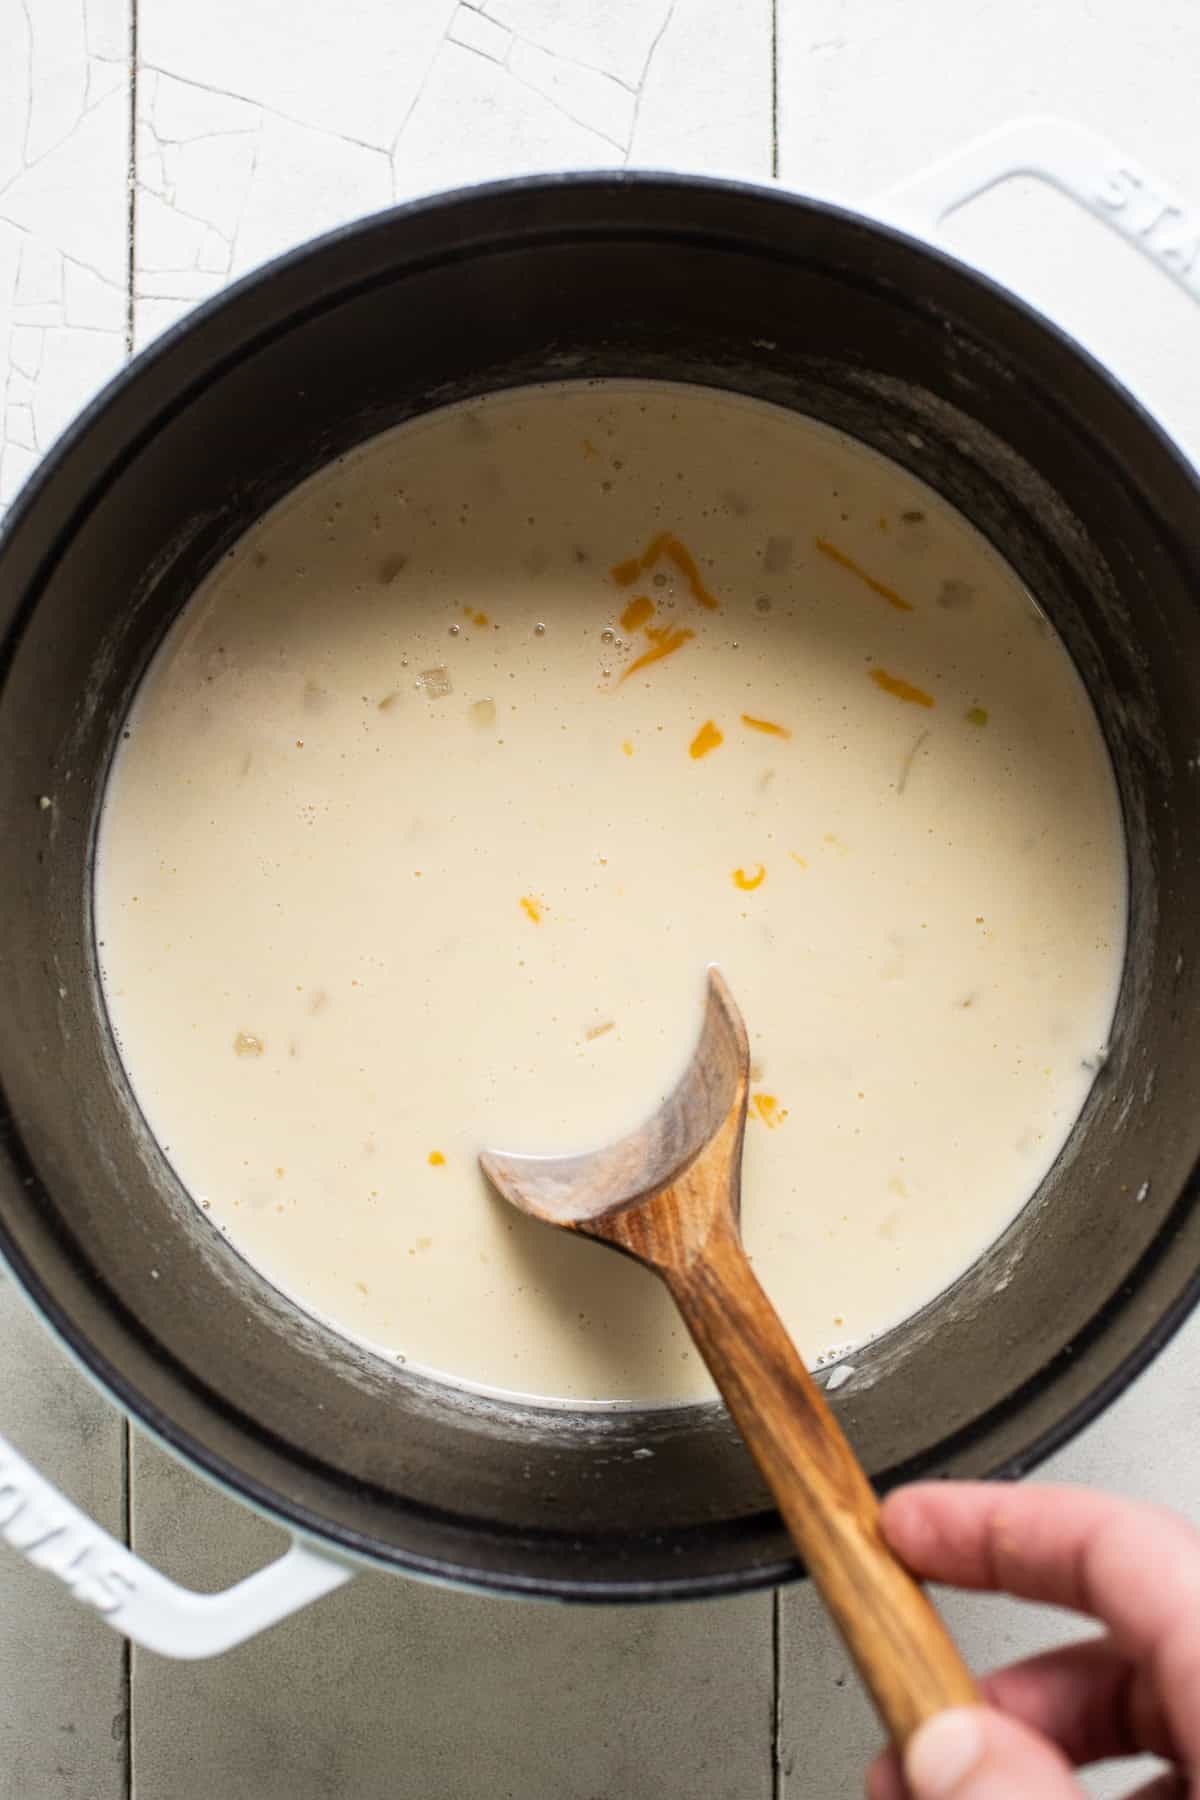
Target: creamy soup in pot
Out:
[463,765]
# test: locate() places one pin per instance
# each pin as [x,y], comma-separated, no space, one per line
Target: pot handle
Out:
[1085,167]
[52,1534]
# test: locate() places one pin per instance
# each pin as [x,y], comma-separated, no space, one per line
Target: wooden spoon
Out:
[670,1196]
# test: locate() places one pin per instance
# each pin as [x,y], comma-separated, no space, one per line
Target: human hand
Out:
[1136,1568]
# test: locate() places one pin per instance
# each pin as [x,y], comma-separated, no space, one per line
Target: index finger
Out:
[1135,1567]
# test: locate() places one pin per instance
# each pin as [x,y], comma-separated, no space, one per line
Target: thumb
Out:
[972,1753]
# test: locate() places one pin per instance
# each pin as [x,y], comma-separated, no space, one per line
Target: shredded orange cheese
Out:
[767,725]
[668,545]
[436,1160]
[531,908]
[797,859]
[706,739]
[903,690]
[476,618]
[664,641]
[636,613]
[768,1109]
[744,881]
[685,562]
[877,587]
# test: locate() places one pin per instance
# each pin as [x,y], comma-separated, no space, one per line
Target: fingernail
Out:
[942,1752]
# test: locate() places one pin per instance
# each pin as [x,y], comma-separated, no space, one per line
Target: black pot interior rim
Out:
[260,1497]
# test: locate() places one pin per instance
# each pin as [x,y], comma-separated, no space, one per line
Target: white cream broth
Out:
[403,856]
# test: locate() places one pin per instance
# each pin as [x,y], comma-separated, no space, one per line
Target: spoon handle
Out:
[899,1644]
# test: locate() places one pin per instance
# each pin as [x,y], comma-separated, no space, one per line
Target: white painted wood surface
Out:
[257,126]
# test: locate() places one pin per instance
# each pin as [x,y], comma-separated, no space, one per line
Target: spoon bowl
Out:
[592,1191]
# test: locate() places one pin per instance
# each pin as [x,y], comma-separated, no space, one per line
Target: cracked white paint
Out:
[180,112]
[104,78]
[18,427]
[502,128]
[169,240]
[475,31]
[64,153]
[611,36]
[225,183]
[598,102]
[107,28]
[90,303]
[25,350]
[704,103]
[215,253]
[305,181]
[69,199]
[350,69]
[39,289]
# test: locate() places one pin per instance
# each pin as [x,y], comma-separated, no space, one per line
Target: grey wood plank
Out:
[393,1691]
[62,1671]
